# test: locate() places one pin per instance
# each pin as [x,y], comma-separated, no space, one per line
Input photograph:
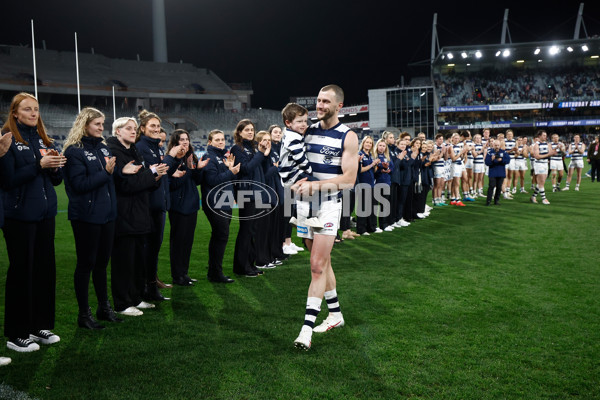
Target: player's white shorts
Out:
[540,168]
[448,172]
[576,163]
[329,214]
[557,165]
[469,163]
[512,165]
[521,164]
[439,172]
[456,170]
[478,168]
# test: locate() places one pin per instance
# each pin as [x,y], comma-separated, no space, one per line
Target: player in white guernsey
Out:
[439,170]
[478,165]
[332,150]
[468,171]
[456,153]
[556,162]
[575,150]
[510,144]
[540,153]
[521,154]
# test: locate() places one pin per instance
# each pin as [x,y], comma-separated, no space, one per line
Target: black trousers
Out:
[276,223]
[420,200]
[244,254]
[494,182]
[595,170]
[384,222]
[364,203]
[394,199]
[219,236]
[407,210]
[262,239]
[155,239]
[181,241]
[345,220]
[31,277]
[93,245]
[128,270]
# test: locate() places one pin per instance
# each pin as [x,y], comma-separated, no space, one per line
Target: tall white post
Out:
[159,31]
[34,66]
[114,108]
[578,23]
[77,70]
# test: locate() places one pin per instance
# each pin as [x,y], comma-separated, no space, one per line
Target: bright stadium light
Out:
[554,50]
[537,51]
[584,47]
[539,61]
[498,53]
[595,57]
[422,94]
[451,65]
[450,56]
[464,54]
[570,49]
[443,56]
[468,65]
[478,54]
[520,61]
[506,53]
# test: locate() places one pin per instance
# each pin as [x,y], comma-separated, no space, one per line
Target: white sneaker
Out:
[289,250]
[421,216]
[545,201]
[576,188]
[4,361]
[313,222]
[427,208]
[378,230]
[144,304]
[404,223]
[514,190]
[297,248]
[293,221]
[303,340]
[131,311]
[333,320]
[44,336]
[366,234]
[566,189]
[389,228]
[397,225]
[22,345]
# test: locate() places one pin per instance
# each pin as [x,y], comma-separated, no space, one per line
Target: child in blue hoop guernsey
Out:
[293,164]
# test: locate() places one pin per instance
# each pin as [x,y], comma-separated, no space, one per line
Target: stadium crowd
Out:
[122,189]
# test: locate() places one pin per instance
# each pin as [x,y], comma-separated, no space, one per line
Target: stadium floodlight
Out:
[539,61]
[478,54]
[464,54]
[451,65]
[570,49]
[468,65]
[537,51]
[520,61]
[584,47]
[506,53]
[554,50]
[498,53]
[595,57]
[450,56]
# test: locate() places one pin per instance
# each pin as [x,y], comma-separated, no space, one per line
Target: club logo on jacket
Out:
[89,155]
[105,152]
[42,145]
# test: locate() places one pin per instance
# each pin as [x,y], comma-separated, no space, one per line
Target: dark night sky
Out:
[292,50]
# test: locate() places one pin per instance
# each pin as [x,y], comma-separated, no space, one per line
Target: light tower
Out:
[159,31]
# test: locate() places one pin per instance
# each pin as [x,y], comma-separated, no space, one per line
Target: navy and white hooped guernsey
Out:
[577,153]
[324,149]
[509,145]
[559,153]
[519,155]
[457,148]
[479,158]
[542,151]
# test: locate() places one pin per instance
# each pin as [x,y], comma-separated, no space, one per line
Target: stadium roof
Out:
[555,52]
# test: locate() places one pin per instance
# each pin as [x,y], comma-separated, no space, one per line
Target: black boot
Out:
[106,313]
[85,320]
[151,293]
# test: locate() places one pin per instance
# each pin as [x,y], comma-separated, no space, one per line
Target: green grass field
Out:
[471,303]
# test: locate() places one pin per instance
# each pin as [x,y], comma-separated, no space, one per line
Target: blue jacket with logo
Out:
[384,177]
[216,173]
[367,176]
[89,186]
[497,169]
[28,190]
[250,170]
[184,191]
[160,200]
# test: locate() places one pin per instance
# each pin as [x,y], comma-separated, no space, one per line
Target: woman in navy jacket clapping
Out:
[185,203]
[216,203]
[92,211]
[30,170]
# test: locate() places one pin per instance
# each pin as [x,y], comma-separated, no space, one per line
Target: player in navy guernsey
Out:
[332,150]
[540,153]
[556,162]
[576,150]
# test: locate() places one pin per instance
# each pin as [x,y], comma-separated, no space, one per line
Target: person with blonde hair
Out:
[29,171]
[368,161]
[92,211]
[129,255]
[383,176]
